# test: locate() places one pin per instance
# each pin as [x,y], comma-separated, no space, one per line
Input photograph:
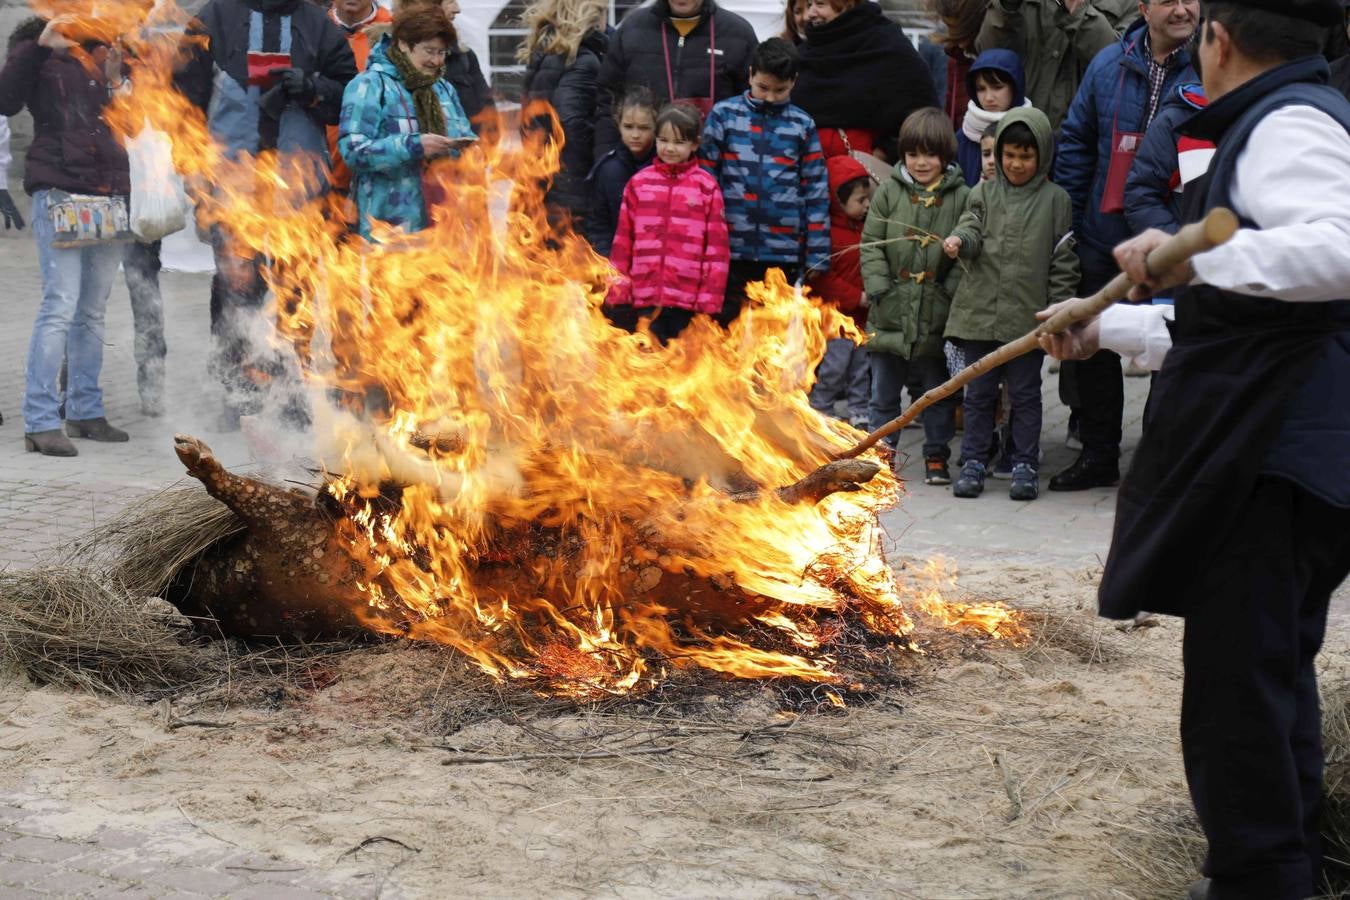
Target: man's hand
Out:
[51,36]
[299,86]
[1079,341]
[1132,256]
[952,246]
[10,212]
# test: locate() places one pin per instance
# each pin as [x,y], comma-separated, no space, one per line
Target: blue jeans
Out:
[75,287]
[844,373]
[890,373]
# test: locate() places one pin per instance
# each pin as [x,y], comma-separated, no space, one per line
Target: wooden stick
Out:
[1215,229]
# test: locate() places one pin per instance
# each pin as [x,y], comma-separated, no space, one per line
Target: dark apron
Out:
[1218,404]
[1223,393]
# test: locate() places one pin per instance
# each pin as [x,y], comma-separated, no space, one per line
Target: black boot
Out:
[1088,472]
[96,430]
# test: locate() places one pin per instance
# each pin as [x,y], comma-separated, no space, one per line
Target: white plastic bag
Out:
[157,197]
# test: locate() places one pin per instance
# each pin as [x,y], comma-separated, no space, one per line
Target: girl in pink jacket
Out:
[671,243]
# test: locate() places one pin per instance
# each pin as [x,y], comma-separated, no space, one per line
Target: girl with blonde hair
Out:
[563,49]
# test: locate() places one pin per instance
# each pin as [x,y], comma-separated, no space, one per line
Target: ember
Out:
[510,476]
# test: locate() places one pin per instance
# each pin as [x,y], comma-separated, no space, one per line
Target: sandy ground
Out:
[1040,770]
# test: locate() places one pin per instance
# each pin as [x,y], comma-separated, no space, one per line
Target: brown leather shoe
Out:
[49,443]
[96,430]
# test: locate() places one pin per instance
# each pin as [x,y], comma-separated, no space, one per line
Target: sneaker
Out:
[1003,469]
[1025,484]
[971,482]
[935,471]
[860,422]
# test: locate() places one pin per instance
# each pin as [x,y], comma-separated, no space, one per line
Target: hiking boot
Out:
[1025,484]
[49,443]
[935,471]
[96,430]
[971,482]
[1087,472]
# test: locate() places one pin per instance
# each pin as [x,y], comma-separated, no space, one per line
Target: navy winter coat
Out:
[968,148]
[1150,201]
[605,184]
[1116,81]
[570,89]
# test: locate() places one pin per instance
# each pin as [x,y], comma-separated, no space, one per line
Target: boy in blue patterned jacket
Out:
[767,159]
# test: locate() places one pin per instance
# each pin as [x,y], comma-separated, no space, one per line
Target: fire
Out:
[575,505]
[937,578]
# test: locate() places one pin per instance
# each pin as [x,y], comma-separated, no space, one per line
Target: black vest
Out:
[1221,401]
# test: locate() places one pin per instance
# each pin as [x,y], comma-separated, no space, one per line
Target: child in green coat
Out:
[1017,236]
[909,282]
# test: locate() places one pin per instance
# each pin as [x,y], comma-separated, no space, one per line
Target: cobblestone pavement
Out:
[45,502]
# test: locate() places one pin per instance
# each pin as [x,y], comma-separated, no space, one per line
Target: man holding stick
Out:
[1236,513]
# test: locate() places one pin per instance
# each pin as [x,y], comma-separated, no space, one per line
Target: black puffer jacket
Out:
[73,149]
[637,56]
[570,90]
[466,76]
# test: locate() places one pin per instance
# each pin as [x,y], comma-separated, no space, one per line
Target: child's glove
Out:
[952,246]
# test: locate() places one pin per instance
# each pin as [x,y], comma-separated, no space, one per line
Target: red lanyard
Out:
[712,61]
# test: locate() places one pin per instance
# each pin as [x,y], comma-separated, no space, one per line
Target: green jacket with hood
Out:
[1055,46]
[1018,245]
[908,278]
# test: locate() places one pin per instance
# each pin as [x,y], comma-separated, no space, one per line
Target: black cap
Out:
[1319,12]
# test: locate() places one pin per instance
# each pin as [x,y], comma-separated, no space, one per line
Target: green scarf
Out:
[430,113]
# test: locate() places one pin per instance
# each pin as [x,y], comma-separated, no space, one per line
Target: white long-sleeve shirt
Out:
[1293,180]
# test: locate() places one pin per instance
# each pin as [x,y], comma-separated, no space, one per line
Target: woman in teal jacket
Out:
[397,116]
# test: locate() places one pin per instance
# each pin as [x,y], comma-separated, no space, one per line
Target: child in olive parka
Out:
[910,283]
[1017,240]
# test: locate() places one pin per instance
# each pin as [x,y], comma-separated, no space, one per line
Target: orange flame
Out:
[564,513]
[938,577]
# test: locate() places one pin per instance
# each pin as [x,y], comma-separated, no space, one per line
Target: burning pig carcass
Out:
[502,471]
